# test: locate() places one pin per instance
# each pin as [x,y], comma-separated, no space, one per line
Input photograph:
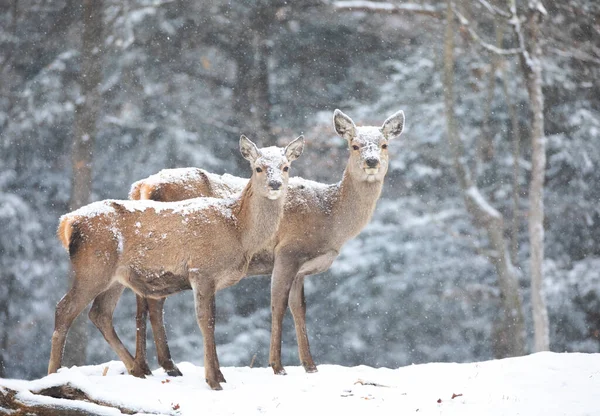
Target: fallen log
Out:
[60,400]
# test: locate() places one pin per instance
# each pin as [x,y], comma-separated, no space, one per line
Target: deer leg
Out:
[141,315]
[297,303]
[155,307]
[220,376]
[204,294]
[284,272]
[67,309]
[101,314]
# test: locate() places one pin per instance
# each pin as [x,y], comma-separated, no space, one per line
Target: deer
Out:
[318,219]
[161,248]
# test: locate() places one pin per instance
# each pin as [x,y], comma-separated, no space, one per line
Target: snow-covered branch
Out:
[382,7]
[493,9]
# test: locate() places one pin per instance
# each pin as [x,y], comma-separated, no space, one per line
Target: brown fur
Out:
[162,248]
[318,220]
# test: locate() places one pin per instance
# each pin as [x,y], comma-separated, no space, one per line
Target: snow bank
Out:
[540,384]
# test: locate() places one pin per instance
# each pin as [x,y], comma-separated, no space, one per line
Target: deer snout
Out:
[275,185]
[372,162]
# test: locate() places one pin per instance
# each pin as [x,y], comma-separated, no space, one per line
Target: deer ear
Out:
[393,126]
[248,149]
[294,149]
[343,125]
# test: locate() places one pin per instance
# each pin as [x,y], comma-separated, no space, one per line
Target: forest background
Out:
[98,94]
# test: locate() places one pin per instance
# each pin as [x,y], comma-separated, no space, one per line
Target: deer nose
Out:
[372,162]
[275,185]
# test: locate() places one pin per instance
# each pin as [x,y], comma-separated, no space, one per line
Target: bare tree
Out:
[509,330]
[84,131]
[529,42]
[529,52]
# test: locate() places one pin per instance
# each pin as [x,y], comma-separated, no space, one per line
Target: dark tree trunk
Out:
[84,132]
[6,322]
[251,103]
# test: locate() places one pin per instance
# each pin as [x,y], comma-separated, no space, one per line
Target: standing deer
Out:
[318,219]
[160,248]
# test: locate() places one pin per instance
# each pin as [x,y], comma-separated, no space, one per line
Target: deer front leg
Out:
[155,307]
[220,376]
[297,304]
[204,294]
[101,314]
[284,272]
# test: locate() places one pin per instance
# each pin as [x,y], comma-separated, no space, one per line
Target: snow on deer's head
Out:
[368,144]
[270,165]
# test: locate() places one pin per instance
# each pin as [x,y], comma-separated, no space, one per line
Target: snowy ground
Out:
[540,384]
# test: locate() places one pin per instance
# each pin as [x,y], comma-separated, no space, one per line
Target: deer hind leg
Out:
[67,309]
[297,303]
[155,307]
[204,298]
[284,272]
[101,314]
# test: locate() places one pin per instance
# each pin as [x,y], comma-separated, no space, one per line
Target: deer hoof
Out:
[174,372]
[310,368]
[214,385]
[170,368]
[221,377]
[140,370]
[278,370]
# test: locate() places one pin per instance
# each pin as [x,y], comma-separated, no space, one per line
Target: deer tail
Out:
[65,230]
[134,192]
[143,190]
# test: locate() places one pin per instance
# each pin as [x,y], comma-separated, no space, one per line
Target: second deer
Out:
[318,220]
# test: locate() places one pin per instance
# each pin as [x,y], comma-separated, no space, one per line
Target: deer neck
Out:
[258,219]
[356,203]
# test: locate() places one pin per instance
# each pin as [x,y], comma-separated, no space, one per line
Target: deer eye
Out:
[286,168]
[259,170]
[355,147]
[384,146]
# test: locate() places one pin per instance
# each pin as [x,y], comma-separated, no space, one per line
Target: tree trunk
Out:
[6,322]
[516,152]
[532,68]
[84,131]
[509,333]
[251,103]
[260,97]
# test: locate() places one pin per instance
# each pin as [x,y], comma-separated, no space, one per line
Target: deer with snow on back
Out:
[318,219]
[160,248]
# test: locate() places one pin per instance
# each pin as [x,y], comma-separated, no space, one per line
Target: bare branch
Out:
[381,7]
[575,54]
[493,9]
[516,24]
[487,46]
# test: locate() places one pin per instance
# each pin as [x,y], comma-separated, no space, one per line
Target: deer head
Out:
[368,145]
[270,165]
